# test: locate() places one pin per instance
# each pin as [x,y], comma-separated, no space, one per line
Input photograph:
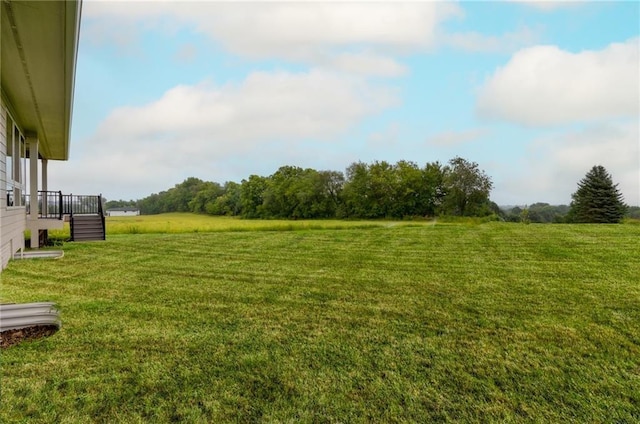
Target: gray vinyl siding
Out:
[13,221]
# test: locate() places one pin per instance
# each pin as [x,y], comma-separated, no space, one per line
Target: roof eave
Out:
[39,54]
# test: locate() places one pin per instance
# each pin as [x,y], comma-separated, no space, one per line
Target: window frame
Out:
[15,164]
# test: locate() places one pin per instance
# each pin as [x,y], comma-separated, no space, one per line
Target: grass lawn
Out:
[388,323]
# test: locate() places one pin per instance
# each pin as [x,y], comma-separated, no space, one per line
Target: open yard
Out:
[343,322]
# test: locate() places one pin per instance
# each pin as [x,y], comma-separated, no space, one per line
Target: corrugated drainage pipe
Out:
[20,321]
[36,254]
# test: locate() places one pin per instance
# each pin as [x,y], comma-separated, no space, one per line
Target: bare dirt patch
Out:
[9,338]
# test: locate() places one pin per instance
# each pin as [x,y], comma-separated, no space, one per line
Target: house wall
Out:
[13,220]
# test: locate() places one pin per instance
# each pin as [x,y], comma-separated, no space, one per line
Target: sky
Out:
[535,92]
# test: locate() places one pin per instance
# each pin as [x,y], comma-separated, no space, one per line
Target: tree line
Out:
[539,212]
[381,190]
[364,191]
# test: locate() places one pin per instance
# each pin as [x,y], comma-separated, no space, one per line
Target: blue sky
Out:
[535,92]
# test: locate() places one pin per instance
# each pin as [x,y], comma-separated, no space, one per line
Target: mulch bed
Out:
[9,338]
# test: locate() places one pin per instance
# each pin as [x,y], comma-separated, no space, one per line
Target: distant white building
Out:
[126,211]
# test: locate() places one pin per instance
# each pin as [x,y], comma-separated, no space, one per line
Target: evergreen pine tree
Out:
[597,199]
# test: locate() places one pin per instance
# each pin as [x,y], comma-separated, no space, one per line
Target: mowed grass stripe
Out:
[426,323]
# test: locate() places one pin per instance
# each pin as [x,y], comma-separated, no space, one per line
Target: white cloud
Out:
[353,36]
[548,5]
[259,28]
[545,85]
[283,28]
[478,42]
[357,37]
[263,106]
[453,138]
[367,63]
[198,130]
[557,162]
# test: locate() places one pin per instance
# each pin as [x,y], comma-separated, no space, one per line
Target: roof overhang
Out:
[37,68]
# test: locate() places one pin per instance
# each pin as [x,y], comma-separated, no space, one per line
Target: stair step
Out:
[92,234]
[88,238]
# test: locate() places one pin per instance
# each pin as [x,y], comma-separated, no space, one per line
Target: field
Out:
[179,223]
[333,322]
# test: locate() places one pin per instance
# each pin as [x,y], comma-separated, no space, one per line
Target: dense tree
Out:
[108,204]
[409,190]
[597,199]
[178,197]
[151,204]
[330,185]
[175,199]
[355,196]
[382,190]
[206,195]
[371,191]
[538,212]
[228,203]
[513,214]
[293,192]
[314,194]
[544,212]
[252,196]
[285,191]
[433,189]
[467,189]
[496,210]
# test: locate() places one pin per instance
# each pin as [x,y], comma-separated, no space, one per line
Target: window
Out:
[15,164]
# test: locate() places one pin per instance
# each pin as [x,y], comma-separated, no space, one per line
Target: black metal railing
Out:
[49,205]
[55,205]
[74,204]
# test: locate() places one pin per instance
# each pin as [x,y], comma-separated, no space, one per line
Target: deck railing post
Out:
[101,212]
[60,204]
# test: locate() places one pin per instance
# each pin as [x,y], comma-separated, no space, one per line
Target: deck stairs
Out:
[87,227]
[83,212]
